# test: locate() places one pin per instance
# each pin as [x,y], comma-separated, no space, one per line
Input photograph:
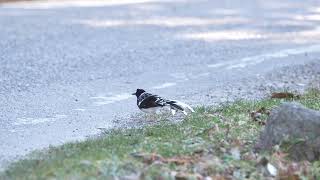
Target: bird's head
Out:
[138,92]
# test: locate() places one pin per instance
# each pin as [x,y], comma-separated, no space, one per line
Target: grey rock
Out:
[295,128]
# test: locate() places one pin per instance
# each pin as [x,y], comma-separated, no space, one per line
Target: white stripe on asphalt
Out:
[164,85]
[253,60]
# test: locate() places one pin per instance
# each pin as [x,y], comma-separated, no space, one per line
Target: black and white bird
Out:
[151,103]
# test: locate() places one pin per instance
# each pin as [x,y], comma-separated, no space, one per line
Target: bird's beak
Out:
[133,94]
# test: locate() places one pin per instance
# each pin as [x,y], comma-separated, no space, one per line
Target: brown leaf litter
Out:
[284,95]
[257,115]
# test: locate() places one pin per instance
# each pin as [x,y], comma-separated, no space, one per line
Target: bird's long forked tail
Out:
[178,105]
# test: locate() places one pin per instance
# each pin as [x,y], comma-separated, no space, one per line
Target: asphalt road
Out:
[68,68]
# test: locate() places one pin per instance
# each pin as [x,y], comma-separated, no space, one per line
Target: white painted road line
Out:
[253,60]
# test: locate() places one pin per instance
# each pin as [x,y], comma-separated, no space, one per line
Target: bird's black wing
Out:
[147,100]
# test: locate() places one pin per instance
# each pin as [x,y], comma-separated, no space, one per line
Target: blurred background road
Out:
[69,67]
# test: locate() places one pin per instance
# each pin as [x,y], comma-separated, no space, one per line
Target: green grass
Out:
[203,141]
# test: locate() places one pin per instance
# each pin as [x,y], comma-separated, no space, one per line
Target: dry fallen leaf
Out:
[179,160]
[147,157]
[219,177]
[249,156]
[210,131]
[280,159]
[257,115]
[283,95]
[186,176]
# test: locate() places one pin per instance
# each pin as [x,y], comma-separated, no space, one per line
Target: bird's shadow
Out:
[140,120]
